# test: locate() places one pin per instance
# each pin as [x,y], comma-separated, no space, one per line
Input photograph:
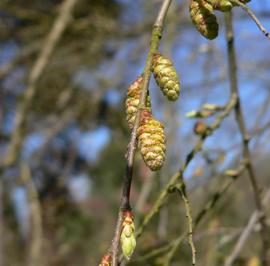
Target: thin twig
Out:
[245,137]
[178,175]
[181,188]
[35,73]
[234,174]
[253,16]
[173,246]
[35,256]
[246,232]
[125,198]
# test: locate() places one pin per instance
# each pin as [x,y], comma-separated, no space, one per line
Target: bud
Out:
[212,107]
[151,141]
[200,128]
[128,240]
[106,260]
[166,76]
[221,5]
[199,114]
[203,18]
[232,173]
[133,99]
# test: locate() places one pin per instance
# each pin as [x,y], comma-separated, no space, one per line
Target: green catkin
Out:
[151,141]
[133,99]
[166,76]
[202,16]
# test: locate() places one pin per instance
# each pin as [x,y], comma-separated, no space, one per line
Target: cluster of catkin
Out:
[203,17]
[150,134]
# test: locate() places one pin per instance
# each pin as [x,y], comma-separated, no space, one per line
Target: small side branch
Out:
[253,17]
[208,206]
[181,188]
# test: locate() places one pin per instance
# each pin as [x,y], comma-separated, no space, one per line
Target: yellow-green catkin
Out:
[221,5]
[151,141]
[106,260]
[166,76]
[133,99]
[204,19]
[128,241]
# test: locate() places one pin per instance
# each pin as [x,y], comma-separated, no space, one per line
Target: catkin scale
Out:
[151,141]
[133,99]
[202,16]
[166,76]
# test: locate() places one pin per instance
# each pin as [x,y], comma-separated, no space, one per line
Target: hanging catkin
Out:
[132,101]
[166,76]
[203,18]
[151,141]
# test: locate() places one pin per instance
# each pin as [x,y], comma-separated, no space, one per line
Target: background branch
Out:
[246,232]
[177,176]
[35,256]
[35,73]
[245,137]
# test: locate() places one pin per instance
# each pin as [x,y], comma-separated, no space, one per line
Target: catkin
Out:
[151,141]
[202,16]
[133,99]
[166,76]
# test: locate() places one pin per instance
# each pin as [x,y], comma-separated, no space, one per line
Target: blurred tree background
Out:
[59,198]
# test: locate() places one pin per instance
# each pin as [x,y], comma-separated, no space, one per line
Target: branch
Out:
[171,248]
[178,175]
[23,54]
[253,17]
[181,188]
[35,256]
[35,73]
[245,137]
[246,232]
[125,204]
[208,206]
